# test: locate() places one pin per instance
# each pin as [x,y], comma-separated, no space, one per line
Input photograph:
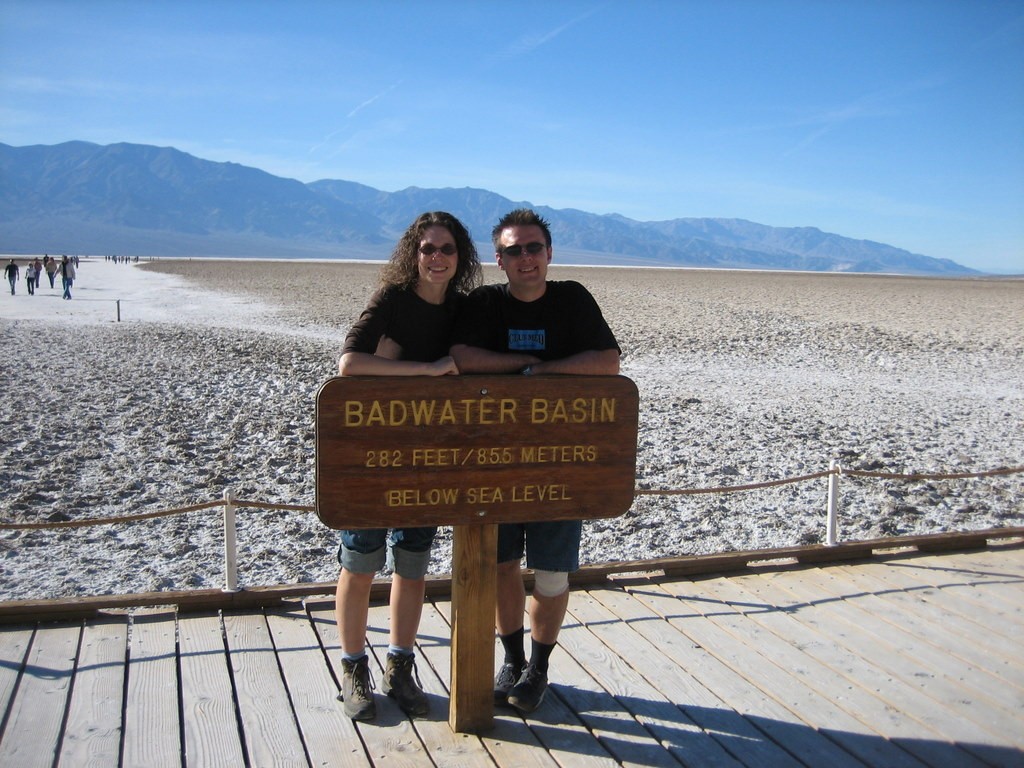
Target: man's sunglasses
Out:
[517,250]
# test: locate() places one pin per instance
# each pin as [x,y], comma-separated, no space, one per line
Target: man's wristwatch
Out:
[527,370]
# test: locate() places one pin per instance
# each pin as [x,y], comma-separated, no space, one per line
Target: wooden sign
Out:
[462,450]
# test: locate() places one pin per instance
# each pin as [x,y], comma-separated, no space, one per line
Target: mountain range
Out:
[132,199]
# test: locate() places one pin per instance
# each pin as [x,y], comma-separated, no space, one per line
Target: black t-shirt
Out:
[423,330]
[565,321]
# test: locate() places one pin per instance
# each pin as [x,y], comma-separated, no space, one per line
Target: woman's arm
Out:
[365,364]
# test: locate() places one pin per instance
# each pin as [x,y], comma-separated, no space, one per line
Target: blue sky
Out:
[895,121]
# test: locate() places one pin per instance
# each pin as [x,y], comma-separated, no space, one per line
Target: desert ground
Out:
[207,382]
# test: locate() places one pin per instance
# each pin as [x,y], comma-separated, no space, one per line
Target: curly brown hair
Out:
[402,269]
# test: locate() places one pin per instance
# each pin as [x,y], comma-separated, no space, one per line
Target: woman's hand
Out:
[444,367]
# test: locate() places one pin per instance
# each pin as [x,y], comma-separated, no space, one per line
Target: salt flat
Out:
[208,382]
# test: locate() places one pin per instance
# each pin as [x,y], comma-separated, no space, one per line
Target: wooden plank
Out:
[597,684]
[393,733]
[152,726]
[445,746]
[912,723]
[856,624]
[211,730]
[330,737]
[14,645]
[637,674]
[841,698]
[563,734]
[92,735]
[965,590]
[961,650]
[803,710]
[268,724]
[747,685]
[1001,560]
[474,596]
[509,743]
[709,694]
[33,732]
[906,719]
[1000,580]
[390,737]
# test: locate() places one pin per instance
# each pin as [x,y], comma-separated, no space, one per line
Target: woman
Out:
[30,277]
[404,331]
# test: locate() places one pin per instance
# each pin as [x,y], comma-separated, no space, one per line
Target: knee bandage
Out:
[550,583]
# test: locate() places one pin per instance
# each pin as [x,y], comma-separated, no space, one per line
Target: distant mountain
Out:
[134,199]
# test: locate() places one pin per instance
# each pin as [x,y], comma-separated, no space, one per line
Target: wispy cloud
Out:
[531,42]
[818,123]
[52,86]
[352,113]
[372,99]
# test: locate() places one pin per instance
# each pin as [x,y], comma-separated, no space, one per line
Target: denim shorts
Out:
[367,550]
[549,546]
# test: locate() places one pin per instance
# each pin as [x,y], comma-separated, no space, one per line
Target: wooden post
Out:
[474,594]
[832,518]
[230,546]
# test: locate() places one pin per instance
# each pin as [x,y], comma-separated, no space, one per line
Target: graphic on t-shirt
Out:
[521,341]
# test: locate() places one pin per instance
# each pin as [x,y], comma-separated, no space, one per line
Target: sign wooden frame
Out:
[462,450]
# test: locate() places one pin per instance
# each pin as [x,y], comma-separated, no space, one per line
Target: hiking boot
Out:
[357,689]
[527,694]
[507,677]
[402,683]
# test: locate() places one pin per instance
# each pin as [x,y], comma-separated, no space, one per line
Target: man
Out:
[67,273]
[532,326]
[11,272]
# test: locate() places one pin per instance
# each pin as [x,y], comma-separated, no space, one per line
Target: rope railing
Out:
[836,470]
[231,504]
[730,488]
[930,476]
[111,520]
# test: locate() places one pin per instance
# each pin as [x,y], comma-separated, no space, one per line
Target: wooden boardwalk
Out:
[913,660]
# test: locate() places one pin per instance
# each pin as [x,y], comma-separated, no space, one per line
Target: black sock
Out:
[513,645]
[539,655]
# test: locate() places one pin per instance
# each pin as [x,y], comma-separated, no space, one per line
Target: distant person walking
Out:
[11,272]
[50,265]
[67,274]
[30,278]
[39,270]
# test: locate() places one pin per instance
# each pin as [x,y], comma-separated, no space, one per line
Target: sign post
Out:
[473,452]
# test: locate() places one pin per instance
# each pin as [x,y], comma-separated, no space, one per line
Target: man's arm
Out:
[593,362]
[589,363]
[479,360]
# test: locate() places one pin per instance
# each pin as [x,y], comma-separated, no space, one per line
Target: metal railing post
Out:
[832,525]
[230,546]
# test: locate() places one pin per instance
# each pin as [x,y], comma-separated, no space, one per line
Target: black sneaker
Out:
[527,694]
[507,677]
[402,683]
[357,689]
